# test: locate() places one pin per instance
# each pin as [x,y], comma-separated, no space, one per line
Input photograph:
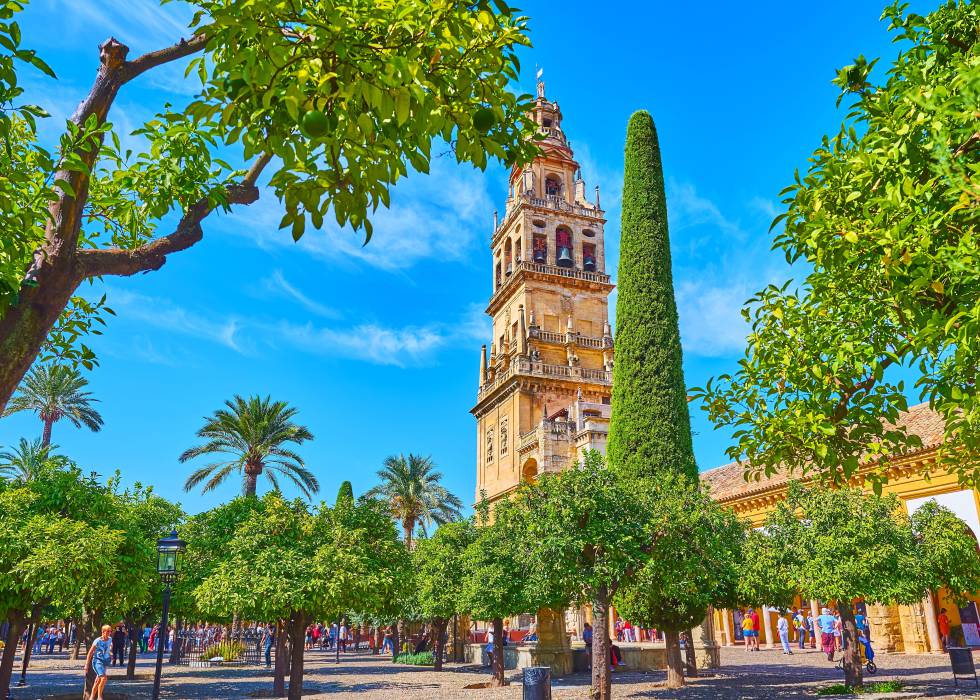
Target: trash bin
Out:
[537,683]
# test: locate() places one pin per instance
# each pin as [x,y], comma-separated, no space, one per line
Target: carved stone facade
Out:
[544,392]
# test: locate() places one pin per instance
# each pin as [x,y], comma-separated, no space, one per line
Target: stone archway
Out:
[529,472]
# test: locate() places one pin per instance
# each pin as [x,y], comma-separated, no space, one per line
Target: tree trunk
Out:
[297,643]
[439,626]
[690,659]
[408,528]
[32,634]
[279,677]
[497,662]
[9,652]
[399,637]
[601,647]
[251,483]
[24,326]
[46,435]
[852,657]
[396,640]
[134,647]
[675,666]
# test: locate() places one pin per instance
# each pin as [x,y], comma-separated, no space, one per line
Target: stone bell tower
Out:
[545,386]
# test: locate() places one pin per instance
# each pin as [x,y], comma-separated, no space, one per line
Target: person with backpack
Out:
[799,624]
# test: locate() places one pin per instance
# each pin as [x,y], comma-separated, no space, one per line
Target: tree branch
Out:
[967,145]
[183,48]
[152,256]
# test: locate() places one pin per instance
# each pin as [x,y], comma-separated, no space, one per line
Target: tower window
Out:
[499,270]
[540,253]
[547,121]
[508,266]
[563,247]
[588,257]
[552,186]
[588,233]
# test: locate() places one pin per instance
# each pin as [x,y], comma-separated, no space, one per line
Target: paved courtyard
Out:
[767,674]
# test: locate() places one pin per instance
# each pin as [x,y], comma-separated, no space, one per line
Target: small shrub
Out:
[227,651]
[867,689]
[423,658]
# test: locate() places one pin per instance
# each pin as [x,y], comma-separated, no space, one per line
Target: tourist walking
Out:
[118,645]
[799,624]
[943,629]
[782,627]
[828,641]
[749,633]
[98,659]
[387,643]
[268,639]
[838,630]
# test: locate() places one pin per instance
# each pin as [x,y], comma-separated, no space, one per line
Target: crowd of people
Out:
[800,628]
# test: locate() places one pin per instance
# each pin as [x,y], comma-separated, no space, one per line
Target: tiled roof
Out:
[728,481]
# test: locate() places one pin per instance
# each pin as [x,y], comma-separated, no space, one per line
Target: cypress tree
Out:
[650,430]
[345,495]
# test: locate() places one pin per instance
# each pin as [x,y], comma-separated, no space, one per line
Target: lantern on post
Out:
[169,550]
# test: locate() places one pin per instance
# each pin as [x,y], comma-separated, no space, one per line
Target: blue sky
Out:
[378,347]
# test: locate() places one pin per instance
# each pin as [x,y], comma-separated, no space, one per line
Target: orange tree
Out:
[884,224]
[330,101]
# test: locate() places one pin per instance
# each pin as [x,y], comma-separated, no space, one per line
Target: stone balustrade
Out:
[525,366]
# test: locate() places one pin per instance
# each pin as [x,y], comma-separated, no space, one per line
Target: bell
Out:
[589,264]
[540,256]
[565,257]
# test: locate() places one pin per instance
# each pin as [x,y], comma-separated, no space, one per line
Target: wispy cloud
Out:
[440,216]
[164,314]
[277,284]
[710,316]
[687,208]
[369,342]
[141,24]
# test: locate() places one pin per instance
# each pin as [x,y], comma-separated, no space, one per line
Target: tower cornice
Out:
[570,278]
[529,204]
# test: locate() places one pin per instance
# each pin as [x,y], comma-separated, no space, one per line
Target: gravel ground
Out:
[748,676]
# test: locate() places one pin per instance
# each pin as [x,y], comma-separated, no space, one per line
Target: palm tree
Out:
[55,392]
[255,432]
[410,486]
[24,462]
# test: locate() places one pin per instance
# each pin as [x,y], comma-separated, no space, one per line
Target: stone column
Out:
[886,630]
[729,617]
[706,649]
[767,625]
[814,614]
[914,635]
[932,624]
[552,648]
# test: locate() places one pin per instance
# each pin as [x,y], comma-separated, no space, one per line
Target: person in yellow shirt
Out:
[750,634]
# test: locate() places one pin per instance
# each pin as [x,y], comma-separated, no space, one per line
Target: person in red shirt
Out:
[756,626]
[944,628]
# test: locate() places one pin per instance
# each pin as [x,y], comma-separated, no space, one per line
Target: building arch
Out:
[563,247]
[529,472]
[553,185]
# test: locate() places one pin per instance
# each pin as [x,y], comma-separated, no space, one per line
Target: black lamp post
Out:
[168,555]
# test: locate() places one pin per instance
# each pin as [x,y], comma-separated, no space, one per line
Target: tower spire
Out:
[483,365]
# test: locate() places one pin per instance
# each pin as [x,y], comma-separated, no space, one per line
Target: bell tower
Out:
[545,386]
